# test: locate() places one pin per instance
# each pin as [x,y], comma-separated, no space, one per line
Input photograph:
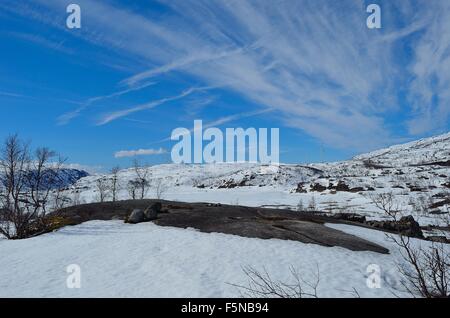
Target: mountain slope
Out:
[414,173]
[423,151]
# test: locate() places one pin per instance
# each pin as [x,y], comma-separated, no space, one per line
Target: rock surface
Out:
[237,220]
[136,216]
[151,213]
[405,226]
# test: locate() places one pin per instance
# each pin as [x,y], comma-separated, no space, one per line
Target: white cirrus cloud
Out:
[139,152]
[315,63]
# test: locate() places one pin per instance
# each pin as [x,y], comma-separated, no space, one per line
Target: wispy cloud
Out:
[310,68]
[234,117]
[9,94]
[430,94]
[67,117]
[42,41]
[314,62]
[139,152]
[198,59]
[125,112]
[223,120]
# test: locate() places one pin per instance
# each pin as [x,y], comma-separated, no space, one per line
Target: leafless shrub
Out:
[76,198]
[300,206]
[132,188]
[421,204]
[103,188]
[160,188]
[114,183]
[141,181]
[196,182]
[59,199]
[312,205]
[427,270]
[27,180]
[261,285]
[387,203]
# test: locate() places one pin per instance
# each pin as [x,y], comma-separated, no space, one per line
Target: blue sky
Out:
[136,70]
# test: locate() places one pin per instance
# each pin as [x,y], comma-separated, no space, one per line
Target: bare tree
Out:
[142,173]
[14,161]
[27,180]
[43,179]
[300,206]
[262,285]
[427,270]
[387,203]
[76,198]
[160,188]
[59,199]
[102,188]
[312,205]
[421,204]
[132,188]
[114,182]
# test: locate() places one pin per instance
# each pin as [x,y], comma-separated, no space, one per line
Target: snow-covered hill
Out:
[423,151]
[416,173]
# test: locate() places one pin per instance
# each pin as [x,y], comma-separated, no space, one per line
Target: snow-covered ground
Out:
[145,260]
[118,259]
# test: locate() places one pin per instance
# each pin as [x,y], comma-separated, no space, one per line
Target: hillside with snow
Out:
[416,173]
[421,152]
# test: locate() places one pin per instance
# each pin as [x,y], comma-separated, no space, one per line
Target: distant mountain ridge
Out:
[69,176]
[65,177]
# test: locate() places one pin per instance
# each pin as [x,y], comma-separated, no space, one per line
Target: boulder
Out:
[341,186]
[151,213]
[300,188]
[136,216]
[356,189]
[408,226]
[318,187]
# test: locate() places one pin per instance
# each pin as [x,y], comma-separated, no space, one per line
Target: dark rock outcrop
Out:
[352,217]
[318,187]
[249,222]
[405,226]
